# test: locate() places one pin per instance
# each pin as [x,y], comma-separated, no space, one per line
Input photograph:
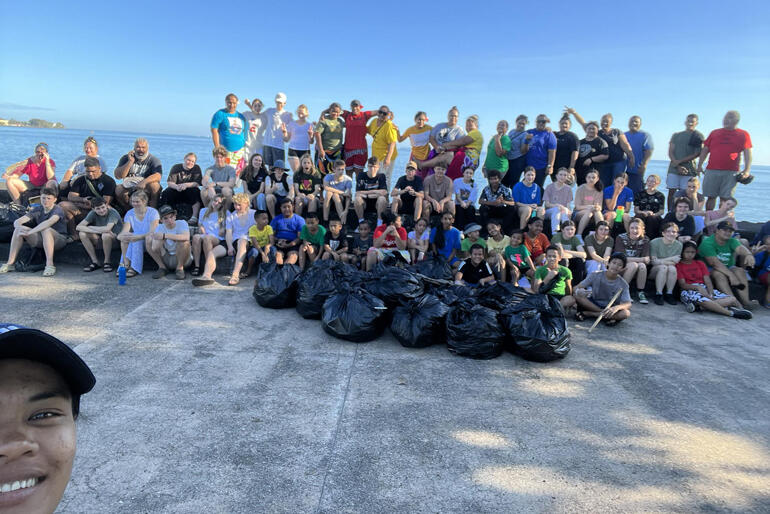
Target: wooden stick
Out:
[612,300]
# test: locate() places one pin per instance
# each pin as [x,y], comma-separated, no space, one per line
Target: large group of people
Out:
[288,190]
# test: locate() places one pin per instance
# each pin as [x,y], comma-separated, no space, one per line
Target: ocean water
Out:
[17,143]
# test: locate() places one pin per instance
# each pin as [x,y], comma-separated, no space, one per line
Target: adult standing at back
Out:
[384,138]
[255,132]
[497,150]
[567,149]
[276,119]
[517,157]
[419,137]
[140,171]
[540,144]
[355,147]
[228,129]
[617,145]
[725,146]
[683,148]
[328,139]
[641,146]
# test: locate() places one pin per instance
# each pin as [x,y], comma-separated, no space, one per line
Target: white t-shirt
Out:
[255,133]
[180,227]
[210,224]
[240,230]
[424,237]
[272,122]
[78,167]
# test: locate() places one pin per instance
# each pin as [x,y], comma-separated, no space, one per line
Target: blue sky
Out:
[166,66]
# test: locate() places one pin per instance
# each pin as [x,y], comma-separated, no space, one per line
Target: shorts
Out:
[407,203]
[170,260]
[390,252]
[237,159]
[272,154]
[677,181]
[719,183]
[253,253]
[298,153]
[355,159]
[370,204]
[287,251]
[59,241]
[696,297]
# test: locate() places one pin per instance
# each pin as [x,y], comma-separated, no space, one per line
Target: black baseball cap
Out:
[19,342]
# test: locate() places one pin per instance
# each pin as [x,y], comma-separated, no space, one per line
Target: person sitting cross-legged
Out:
[604,285]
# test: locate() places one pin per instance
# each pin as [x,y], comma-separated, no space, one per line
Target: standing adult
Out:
[567,149]
[328,139]
[592,152]
[184,183]
[77,168]
[619,151]
[275,121]
[725,146]
[228,129]
[419,137]
[299,133]
[683,148]
[255,131]
[517,156]
[384,138]
[355,146]
[39,168]
[497,150]
[540,143]
[641,146]
[140,171]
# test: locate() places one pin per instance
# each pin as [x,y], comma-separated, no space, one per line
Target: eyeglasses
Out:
[383,113]
[542,121]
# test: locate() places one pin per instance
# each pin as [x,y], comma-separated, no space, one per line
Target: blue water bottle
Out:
[121,275]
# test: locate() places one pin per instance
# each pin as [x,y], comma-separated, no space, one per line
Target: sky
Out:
[165,67]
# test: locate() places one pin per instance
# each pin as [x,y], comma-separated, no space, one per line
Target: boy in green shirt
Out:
[719,251]
[472,236]
[312,236]
[556,278]
[518,258]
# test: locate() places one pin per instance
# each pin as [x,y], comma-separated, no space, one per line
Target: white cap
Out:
[280,97]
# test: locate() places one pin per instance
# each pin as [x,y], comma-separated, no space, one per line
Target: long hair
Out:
[249,173]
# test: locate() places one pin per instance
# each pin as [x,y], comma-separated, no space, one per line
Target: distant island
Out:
[34,122]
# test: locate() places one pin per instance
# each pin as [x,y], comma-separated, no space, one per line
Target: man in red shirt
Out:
[725,146]
[389,240]
[40,169]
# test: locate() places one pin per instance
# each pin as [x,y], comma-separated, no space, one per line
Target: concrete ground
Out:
[205,402]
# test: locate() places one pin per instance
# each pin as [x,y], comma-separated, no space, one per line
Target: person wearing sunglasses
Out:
[384,138]
[540,147]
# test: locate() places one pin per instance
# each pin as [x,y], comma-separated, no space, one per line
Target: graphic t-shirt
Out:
[644,201]
[612,138]
[306,182]
[639,247]
[336,243]
[473,149]
[331,133]
[523,193]
[541,142]
[365,182]
[145,168]
[180,175]
[465,192]
[390,239]
[502,191]
[588,150]
[518,255]
[443,133]
[419,138]
[231,128]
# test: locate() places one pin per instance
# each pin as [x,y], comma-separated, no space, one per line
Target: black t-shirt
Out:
[306,182]
[473,274]
[256,182]
[146,168]
[643,201]
[366,183]
[589,149]
[336,243]
[104,185]
[566,143]
[686,226]
[179,175]
[613,143]
[416,183]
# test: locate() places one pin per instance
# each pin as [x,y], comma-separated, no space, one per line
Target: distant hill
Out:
[34,122]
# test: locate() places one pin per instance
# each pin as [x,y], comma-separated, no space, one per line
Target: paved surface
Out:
[205,402]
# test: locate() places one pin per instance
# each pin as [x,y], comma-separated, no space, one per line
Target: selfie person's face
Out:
[37,436]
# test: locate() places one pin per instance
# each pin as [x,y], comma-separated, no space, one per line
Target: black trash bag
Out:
[276,286]
[474,331]
[392,285]
[354,315]
[314,286]
[453,294]
[30,260]
[9,212]
[435,266]
[537,328]
[420,322]
[499,295]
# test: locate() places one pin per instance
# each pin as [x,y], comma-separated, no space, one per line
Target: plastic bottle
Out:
[619,213]
[121,275]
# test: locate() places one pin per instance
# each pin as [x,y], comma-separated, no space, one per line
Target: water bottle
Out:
[121,275]
[619,213]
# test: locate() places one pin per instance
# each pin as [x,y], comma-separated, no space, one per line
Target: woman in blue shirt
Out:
[617,196]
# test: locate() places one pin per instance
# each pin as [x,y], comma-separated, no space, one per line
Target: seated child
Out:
[312,236]
[418,240]
[336,243]
[475,270]
[762,267]
[472,236]
[697,288]
[604,285]
[556,278]
[517,258]
[262,241]
[496,244]
[361,243]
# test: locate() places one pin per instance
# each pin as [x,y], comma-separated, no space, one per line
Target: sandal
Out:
[107,267]
[91,267]
[5,268]
[49,271]
[233,281]
[196,272]
[579,316]
[243,274]
[131,272]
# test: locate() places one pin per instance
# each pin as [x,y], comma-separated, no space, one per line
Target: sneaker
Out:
[642,298]
[658,299]
[179,274]
[669,298]
[740,313]
[689,307]
[160,273]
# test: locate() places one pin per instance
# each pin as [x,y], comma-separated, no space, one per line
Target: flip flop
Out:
[199,282]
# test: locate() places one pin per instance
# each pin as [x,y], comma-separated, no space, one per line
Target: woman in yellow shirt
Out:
[384,138]
[419,137]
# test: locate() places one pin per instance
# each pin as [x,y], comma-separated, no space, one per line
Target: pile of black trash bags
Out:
[422,306]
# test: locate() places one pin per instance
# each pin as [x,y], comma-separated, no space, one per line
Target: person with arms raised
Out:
[275,121]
